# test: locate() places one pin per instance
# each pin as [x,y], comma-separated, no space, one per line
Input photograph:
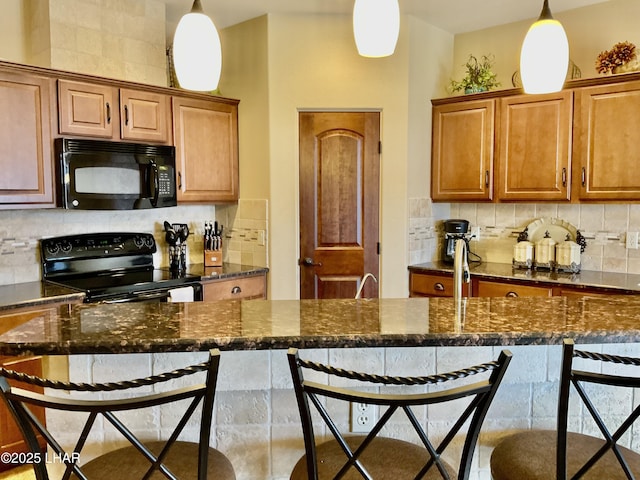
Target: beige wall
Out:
[13,45]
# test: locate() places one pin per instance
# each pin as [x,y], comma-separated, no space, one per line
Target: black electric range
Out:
[111,267]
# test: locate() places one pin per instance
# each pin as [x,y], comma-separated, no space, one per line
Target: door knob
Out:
[308,262]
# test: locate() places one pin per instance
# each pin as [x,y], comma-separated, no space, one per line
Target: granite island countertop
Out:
[278,324]
[588,279]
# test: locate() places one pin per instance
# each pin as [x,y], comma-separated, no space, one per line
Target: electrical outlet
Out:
[632,240]
[363,417]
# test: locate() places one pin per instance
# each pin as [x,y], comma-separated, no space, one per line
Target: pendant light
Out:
[544,57]
[197,54]
[376,24]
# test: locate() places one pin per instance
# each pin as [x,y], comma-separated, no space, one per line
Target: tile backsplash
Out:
[604,226]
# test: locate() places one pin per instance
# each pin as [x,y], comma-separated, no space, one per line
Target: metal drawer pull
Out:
[564,177]
[511,294]
[126,115]
[584,177]
[108,113]
[235,290]
[438,287]
[486,178]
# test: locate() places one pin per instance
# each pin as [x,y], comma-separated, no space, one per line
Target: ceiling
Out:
[455,16]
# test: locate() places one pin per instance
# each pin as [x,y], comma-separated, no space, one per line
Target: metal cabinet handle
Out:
[236,290]
[438,287]
[126,115]
[512,294]
[108,113]
[564,177]
[486,178]
[179,180]
[584,177]
[308,262]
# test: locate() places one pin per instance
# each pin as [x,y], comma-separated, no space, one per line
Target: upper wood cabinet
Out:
[534,147]
[462,151]
[206,140]
[105,111]
[606,150]
[25,141]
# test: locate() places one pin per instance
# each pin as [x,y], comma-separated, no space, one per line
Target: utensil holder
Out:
[178,257]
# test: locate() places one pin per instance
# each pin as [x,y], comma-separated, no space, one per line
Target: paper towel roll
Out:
[182,294]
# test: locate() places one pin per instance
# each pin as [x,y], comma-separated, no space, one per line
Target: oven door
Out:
[150,296]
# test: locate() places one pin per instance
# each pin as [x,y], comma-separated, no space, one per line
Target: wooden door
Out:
[339,203]
[534,147]
[462,151]
[26,160]
[607,119]
[145,116]
[87,109]
[206,139]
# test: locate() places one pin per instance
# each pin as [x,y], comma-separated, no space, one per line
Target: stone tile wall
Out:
[256,422]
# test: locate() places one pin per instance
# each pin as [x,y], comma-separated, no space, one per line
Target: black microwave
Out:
[100,175]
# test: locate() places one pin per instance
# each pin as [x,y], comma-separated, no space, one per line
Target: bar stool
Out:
[171,459]
[548,454]
[372,456]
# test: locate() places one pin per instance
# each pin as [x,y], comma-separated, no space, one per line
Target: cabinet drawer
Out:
[431,285]
[235,288]
[497,289]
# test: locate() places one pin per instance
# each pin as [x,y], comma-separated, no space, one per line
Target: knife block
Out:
[213,258]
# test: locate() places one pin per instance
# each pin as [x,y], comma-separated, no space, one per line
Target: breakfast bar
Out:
[278,324]
[256,423]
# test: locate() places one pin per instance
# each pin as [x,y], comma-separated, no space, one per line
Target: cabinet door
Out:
[462,151]
[206,139]
[25,141]
[87,109]
[606,125]
[534,147]
[145,116]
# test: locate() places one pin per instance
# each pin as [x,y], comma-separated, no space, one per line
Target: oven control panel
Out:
[96,245]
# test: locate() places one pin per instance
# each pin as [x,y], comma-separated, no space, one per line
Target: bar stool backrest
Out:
[479,396]
[21,402]
[581,380]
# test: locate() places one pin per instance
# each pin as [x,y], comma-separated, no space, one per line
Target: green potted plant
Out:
[479,77]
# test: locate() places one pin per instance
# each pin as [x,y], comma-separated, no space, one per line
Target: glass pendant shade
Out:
[197,54]
[376,24]
[544,57]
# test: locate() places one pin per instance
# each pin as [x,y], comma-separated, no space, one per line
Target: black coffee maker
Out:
[454,230]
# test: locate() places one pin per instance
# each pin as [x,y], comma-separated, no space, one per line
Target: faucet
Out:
[460,268]
[363,281]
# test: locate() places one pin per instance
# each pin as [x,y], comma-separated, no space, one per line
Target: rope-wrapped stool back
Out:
[389,380]
[603,357]
[103,387]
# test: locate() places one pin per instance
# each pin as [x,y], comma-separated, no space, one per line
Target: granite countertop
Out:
[227,270]
[278,324]
[35,294]
[622,282]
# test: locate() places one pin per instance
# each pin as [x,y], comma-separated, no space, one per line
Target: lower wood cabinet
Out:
[247,287]
[440,284]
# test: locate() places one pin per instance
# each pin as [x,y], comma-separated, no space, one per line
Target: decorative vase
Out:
[475,89]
